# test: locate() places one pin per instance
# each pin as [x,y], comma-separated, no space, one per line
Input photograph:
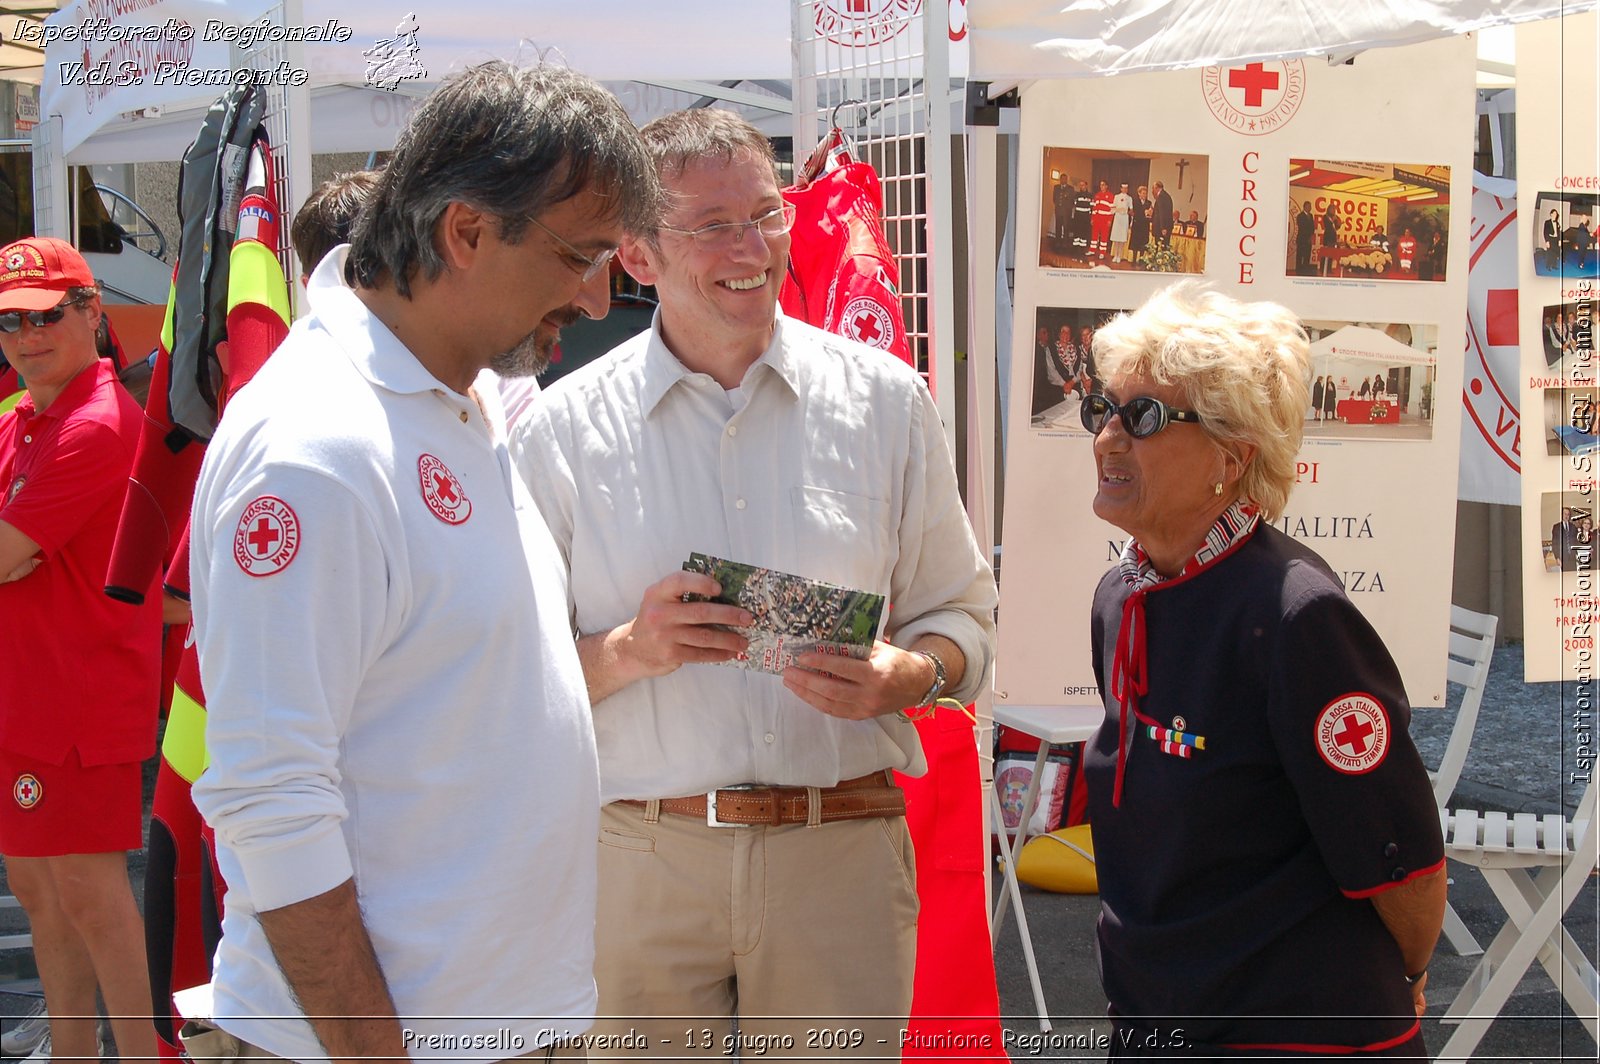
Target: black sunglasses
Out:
[1142,416]
[11,320]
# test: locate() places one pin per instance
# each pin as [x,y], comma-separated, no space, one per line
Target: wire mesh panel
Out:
[865,66]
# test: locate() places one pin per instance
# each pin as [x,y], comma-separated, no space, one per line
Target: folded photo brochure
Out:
[793,614]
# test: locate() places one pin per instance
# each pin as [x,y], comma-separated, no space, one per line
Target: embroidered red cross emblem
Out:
[267,537]
[867,328]
[442,491]
[1254,79]
[263,538]
[27,790]
[1353,733]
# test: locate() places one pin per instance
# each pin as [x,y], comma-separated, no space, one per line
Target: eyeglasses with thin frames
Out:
[11,320]
[591,266]
[724,235]
[1142,416]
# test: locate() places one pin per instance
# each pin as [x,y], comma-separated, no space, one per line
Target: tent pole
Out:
[981,147]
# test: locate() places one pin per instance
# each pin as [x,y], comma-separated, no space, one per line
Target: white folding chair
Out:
[1536,866]
[1052,726]
[1470,650]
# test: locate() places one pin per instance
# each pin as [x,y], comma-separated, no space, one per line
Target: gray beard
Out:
[527,359]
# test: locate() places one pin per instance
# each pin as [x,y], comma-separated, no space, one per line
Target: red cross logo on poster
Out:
[862,23]
[865,321]
[1491,392]
[1256,98]
[268,536]
[1353,733]
[442,491]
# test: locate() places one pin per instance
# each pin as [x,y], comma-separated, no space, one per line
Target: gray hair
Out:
[511,142]
[1245,368]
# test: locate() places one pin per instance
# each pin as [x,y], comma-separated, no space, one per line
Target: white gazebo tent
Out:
[657,58]
[1356,352]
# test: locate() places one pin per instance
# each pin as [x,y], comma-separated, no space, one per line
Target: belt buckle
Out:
[711,805]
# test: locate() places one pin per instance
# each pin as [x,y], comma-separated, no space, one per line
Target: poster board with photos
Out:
[1558,177]
[1386,141]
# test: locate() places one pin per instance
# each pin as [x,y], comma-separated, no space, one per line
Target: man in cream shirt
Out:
[731,430]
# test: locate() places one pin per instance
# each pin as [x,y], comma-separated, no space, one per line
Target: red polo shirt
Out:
[83,670]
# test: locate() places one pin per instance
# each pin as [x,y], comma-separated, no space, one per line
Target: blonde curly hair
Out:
[1245,368]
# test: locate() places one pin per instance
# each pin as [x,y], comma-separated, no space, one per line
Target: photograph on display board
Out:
[1372,380]
[1128,211]
[1063,364]
[1564,330]
[1569,515]
[1564,238]
[1569,421]
[1374,221]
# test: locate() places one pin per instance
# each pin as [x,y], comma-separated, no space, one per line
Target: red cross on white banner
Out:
[1254,79]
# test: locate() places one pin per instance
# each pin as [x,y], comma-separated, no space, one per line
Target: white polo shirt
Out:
[393,694]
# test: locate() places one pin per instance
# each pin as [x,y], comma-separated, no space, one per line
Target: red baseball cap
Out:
[37,271]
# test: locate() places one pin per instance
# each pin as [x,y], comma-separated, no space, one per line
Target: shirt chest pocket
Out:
[842,538]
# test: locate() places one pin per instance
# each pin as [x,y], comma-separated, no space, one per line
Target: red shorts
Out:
[49,810]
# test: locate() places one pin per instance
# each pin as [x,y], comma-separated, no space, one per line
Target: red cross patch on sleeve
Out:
[1353,733]
[268,536]
[866,321]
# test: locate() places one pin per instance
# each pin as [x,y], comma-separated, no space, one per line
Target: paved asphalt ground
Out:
[1515,764]
[1517,761]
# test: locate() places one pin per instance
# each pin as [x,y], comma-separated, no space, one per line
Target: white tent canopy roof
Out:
[1015,40]
[1359,343]
[657,44]
[647,43]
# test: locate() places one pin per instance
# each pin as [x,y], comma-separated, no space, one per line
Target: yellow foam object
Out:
[1062,861]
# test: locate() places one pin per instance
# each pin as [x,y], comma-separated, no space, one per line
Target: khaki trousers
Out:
[805,934]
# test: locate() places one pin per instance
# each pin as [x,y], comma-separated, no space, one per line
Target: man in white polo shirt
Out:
[732,430]
[402,773]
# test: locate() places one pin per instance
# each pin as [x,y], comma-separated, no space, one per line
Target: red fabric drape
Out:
[843,278]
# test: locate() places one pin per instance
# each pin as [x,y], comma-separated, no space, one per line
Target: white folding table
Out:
[1051,725]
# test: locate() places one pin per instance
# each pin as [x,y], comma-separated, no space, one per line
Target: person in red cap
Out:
[78,709]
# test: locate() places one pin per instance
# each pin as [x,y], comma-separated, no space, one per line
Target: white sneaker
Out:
[29,1031]
[41,1052]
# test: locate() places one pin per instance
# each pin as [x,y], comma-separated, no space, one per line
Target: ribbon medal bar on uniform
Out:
[1176,740]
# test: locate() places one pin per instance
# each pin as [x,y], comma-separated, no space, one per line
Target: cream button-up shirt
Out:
[834,467]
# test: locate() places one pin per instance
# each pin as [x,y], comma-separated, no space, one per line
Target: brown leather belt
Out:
[872,795]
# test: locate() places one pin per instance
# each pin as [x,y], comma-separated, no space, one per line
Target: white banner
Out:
[120,71]
[1049,39]
[103,59]
[1558,188]
[1491,431]
[1385,146]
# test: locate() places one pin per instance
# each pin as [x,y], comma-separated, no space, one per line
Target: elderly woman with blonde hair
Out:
[1271,870]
